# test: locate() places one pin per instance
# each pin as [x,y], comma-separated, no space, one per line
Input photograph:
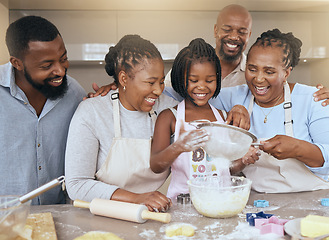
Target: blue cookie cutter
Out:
[250,217]
[325,202]
[261,203]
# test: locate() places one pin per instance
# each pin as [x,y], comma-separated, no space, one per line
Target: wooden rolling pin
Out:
[122,210]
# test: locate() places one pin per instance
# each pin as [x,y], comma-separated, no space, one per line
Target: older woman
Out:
[108,147]
[295,128]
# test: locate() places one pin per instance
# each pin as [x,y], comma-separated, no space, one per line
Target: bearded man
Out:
[37,100]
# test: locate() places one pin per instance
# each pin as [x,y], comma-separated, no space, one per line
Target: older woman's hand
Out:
[280,146]
[239,117]
[322,94]
[154,201]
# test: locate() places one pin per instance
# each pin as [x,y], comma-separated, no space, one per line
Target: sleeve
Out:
[81,158]
[230,96]
[318,126]
[170,92]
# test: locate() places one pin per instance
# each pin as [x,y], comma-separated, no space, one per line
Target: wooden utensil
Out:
[122,210]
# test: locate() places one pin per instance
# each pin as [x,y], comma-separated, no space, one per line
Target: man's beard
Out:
[50,92]
[226,57]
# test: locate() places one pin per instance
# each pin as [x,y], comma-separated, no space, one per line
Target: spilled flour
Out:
[213,231]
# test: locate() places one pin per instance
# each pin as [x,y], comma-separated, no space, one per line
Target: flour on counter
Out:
[148,234]
[245,232]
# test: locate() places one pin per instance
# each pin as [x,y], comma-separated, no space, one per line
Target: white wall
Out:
[88,34]
[4,22]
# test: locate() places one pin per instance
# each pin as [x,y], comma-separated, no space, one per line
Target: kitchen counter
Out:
[71,222]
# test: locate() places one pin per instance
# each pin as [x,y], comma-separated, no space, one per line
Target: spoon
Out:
[34,193]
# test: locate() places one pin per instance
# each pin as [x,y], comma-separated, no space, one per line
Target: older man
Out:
[232,32]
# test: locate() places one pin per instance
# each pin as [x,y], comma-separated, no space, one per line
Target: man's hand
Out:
[103,91]
[321,94]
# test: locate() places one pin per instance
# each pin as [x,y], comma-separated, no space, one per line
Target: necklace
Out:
[265,119]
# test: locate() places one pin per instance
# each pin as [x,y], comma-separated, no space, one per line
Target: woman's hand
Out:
[239,117]
[154,201]
[280,147]
[103,91]
[321,94]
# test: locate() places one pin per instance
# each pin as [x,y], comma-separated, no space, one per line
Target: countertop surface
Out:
[71,222]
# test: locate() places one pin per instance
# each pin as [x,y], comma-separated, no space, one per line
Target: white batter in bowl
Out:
[212,199]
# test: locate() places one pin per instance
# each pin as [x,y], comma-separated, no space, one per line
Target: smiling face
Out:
[266,74]
[45,65]
[232,32]
[202,82]
[144,87]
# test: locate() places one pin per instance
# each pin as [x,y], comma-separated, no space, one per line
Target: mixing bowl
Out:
[215,199]
[13,216]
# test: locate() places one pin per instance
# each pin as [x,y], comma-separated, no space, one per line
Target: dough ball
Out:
[94,235]
[180,230]
[26,233]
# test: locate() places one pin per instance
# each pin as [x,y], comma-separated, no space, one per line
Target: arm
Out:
[311,145]
[239,117]
[81,165]
[103,91]
[322,94]
[82,156]
[163,154]
[249,158]
[282,147]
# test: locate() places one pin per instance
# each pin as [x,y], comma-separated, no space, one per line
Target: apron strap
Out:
[217,115]
[116,114]
[153,114]
[287,111]
[251,104]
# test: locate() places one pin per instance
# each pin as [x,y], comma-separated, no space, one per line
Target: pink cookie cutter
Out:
[271,225]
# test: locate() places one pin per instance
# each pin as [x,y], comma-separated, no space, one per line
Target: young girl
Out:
[195,75]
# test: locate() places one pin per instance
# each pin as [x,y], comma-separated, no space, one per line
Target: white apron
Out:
[271,175]
[188,165]
[127,164]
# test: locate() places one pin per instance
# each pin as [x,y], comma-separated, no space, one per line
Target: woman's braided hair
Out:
[291,46]
[130,51]
[197,51]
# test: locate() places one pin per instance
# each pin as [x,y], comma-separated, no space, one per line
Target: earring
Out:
[124,88]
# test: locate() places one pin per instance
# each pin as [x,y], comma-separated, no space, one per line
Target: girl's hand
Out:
[103,91]
[321,94]
[191,140]
[154,201]
[239,117]
[251,156]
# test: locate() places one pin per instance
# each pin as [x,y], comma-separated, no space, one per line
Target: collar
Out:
[7,78]
[242,65]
